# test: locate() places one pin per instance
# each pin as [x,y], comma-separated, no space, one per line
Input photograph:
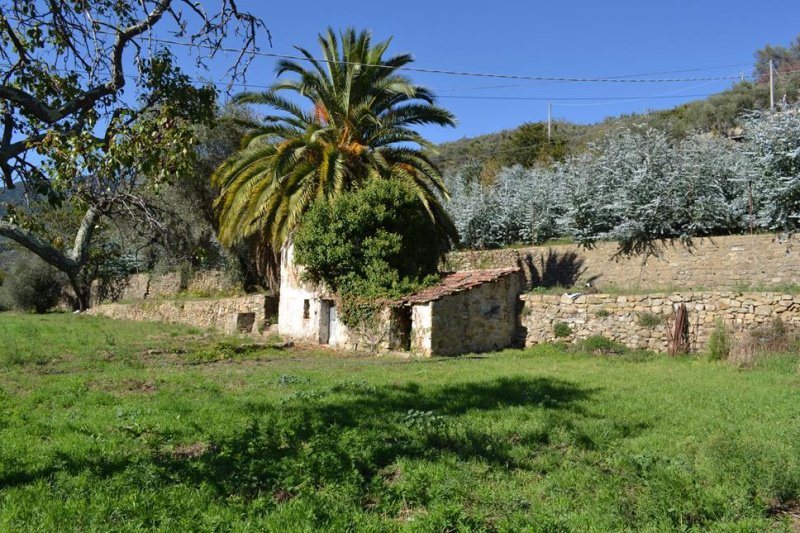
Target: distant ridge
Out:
[717,114]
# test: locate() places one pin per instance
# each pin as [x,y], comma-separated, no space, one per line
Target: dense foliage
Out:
[32,285]
[356,122]
[73,133]
[639,185]
[773,143]
[370,244]
[521,206]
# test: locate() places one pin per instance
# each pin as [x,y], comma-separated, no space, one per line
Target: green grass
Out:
[785,288]
[126,426]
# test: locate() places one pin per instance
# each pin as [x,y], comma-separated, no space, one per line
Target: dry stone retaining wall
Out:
[149,285]
[642,321]
[717,262]
[211,313]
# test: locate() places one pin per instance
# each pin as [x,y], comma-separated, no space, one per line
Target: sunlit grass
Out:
[118,426]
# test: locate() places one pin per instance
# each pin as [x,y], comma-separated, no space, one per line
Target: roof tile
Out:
[456,282]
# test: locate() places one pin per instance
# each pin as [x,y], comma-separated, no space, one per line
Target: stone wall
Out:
[718,262]
[150,285]
[481,319]
[642,321]
[205,313]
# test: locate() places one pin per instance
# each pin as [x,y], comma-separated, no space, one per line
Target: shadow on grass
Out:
[98,466]
[351,437]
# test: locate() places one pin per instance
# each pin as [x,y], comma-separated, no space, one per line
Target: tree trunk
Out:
[70,263]
[83,292]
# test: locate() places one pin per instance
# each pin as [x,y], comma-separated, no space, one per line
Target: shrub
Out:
[760,341]
[602,313]
[720,341]
[745,351]
[375,243]
[519,206]
[33,285]
[649,320]
[561,329]
[600,345]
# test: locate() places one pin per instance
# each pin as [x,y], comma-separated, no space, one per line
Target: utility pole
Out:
[549,119]
[771,87]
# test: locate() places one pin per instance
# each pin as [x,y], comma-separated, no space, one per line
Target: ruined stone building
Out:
[471,311]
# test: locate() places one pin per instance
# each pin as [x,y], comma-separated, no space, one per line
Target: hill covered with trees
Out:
[720,114]
[14,196]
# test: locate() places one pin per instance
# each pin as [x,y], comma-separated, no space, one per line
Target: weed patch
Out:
[600,345]
[649,320]
[561,330]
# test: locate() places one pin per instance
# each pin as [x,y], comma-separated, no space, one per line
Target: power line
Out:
[699,69]
[506,86]
[623,100]
[462,73]
[244,85]
[571,79]
[566,98]
[630,78]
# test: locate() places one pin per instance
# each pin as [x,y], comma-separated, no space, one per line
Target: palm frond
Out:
[357,125]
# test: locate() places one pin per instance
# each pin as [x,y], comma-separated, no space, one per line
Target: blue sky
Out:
[594,39]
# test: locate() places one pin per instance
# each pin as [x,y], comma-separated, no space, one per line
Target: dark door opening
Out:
[328,323]
[400,330]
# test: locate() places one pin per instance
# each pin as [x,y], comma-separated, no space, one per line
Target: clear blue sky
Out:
[581,38]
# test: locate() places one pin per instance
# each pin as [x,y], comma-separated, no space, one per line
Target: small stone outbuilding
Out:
[469,311]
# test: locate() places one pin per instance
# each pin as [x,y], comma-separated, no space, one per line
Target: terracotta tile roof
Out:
[456,282]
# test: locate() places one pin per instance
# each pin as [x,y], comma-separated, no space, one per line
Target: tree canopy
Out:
[357,125]
[639,185]
[70,135]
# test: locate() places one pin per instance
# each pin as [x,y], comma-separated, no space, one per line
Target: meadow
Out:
[126,426]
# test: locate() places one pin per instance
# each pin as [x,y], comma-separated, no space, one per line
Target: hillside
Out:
[8,196]
[718,114]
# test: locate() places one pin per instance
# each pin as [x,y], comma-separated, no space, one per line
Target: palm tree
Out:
[358,126]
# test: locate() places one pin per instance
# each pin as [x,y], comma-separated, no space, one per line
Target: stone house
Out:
[470,311]
[305,311]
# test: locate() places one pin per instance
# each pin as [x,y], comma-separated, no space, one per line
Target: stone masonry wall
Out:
[481,319]
[209,313]
[150,285]
[642,321]
[718,262]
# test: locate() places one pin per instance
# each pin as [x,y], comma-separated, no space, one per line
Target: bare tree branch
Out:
[80,250]
[38,246]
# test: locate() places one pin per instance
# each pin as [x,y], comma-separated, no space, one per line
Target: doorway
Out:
[329,323]
[400,330]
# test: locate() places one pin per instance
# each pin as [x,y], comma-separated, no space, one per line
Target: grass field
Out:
[123,426]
